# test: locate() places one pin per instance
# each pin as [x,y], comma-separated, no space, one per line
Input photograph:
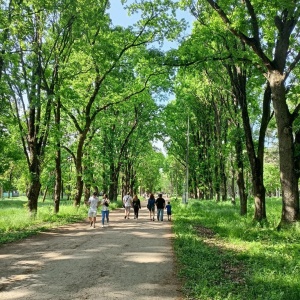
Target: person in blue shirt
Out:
[151,206]
[169,210]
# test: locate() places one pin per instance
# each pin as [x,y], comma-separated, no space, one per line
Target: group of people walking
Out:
[128,203]
[159,203]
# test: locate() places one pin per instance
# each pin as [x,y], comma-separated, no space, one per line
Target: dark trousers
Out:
[136,211]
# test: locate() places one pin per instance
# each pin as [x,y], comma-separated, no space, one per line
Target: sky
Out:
[119,16]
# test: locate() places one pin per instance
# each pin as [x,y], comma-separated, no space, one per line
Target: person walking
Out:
[136,206]
[151,206]
[127,203]
[105,209]
[160,205]
[169,210]
[93,203]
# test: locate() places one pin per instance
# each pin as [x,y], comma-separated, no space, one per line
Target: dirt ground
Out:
[129,259]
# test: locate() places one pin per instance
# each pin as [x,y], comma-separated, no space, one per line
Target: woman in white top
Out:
[105,209]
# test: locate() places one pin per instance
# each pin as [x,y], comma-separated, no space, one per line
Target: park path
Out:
[129,259]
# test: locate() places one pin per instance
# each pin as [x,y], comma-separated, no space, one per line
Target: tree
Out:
[270,34]
[35,53]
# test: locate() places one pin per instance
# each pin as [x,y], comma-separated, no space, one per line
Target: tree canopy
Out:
[84,100]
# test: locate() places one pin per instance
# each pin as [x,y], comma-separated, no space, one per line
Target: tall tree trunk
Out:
[288,175]
[240,175]
[58,176]
[223,180]
[79,169]
[238,82]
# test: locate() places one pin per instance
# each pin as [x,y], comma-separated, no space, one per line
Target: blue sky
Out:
[119,16]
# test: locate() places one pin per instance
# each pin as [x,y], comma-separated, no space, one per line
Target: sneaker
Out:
[125,217]
[102,226]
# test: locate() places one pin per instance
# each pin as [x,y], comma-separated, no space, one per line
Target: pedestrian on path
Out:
[93,203]
[160,205]
[151,206]
[136,206]
[105,209]
[127,203]
[169,210]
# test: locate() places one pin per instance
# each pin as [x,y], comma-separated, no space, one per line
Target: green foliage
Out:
[224,256]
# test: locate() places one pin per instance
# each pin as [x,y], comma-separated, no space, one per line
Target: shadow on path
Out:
[129,259]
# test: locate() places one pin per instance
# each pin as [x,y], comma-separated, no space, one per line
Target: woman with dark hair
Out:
[105,209]
[151,206]
[136,206]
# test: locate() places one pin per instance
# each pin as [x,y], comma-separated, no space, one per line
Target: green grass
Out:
[16,222]
[224,256]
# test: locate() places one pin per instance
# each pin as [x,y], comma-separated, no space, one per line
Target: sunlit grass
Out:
[222,255]
[16,222]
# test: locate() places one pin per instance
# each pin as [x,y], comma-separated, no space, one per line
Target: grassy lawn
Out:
[16,223]
[222,255]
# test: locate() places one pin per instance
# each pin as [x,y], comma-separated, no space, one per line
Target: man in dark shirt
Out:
[160,205]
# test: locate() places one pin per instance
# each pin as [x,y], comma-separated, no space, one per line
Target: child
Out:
[169,210]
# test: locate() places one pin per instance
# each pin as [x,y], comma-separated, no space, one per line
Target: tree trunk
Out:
[33,194]
[223,180]
[87,192]
[113,183]
[45,194]
[79,167]
[238,82]
[58,176]
[79,189]
[240,175]
[288,175]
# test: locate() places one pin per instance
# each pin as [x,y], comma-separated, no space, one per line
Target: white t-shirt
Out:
[127,200]
[93,202]
[104,207]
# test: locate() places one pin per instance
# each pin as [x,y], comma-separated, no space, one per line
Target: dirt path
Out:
[129,259]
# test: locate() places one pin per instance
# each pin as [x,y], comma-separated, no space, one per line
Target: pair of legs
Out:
[169,217]
[151,213]
[92,217]
[136,212]
[105,215]
[127,212]
[160,214]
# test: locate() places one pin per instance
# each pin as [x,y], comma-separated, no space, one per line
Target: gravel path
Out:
[129,259]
